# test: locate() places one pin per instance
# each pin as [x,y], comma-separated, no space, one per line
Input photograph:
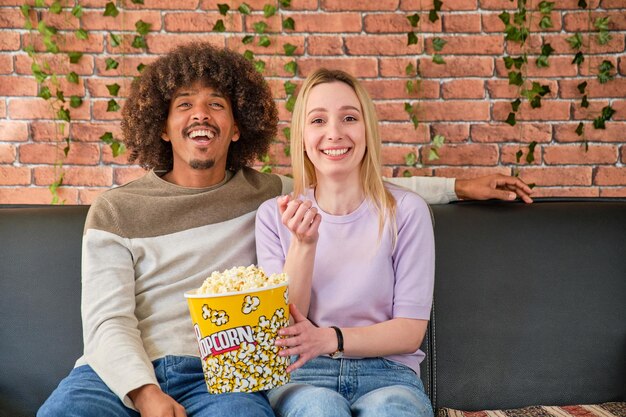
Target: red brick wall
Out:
[466,100]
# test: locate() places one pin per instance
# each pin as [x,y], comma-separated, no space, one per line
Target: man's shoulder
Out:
[261,180]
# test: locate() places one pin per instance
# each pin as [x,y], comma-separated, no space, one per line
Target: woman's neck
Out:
[339,197]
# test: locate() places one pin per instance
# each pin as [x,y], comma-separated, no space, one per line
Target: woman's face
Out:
[334,131]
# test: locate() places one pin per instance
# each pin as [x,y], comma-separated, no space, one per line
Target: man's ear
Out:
[236,135]
[164,136]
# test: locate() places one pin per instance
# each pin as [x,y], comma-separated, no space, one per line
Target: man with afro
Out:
[197,118]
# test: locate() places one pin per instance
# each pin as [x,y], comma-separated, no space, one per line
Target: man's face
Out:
[200,126]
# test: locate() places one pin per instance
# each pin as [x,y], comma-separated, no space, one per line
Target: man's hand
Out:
[150,401]
[502,187]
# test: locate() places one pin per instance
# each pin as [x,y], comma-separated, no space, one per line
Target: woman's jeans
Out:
[352,387]
[83,394]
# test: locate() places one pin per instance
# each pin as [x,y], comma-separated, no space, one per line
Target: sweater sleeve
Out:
[270,250]
[432,189]
[112,341]
[413,259]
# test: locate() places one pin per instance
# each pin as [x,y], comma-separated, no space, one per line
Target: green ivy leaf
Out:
[63,114]
[82,34]
[511,119]
[433,16]
[535,102]
[406,173]
[290,88]
[438,141]
[287,133]
[219,26]
[40,3]
[604,74]
[264,41]
[505,17]
[575,41]
[410,159]
[75,57]
[607,112]
[56,7]
[518,155]
[77,11]
[51,46]
[260,27]
[515,104]
[141,67]
[580,129]
[438,44]
[291,67]
[542,61]
[410,88]
[137,1]
[584,102]
[433,154]
[515,78]
[290,103]
[289,24]
[45,93]
[578,58]
[244,9]
[249,55]
[139,42]
[409,69]
[581,87]
[285,3]
[602,23]
[111,10]
[60,96]
[266,169]
[530,156]
[289,49]
[25,9]
[76,101]
[117,148]
[604,38]
[112,105]
[545,22]
[547,49]
[259,65]
[45,29]
[72,77]
[413,19]
[414,120]
[437,5]
[113,89]
[247,39]
[269,10]
[142,27]
[107,138]
[408,108]
[223,8]
[582,4]
[438,59]
[411,38]
[116,40]
[545,7]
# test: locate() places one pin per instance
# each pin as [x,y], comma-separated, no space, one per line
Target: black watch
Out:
[339,352]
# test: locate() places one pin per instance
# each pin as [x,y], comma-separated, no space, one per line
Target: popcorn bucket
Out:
[236,333]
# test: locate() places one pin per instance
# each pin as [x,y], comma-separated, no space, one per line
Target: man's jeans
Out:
[83,394]
[345,387]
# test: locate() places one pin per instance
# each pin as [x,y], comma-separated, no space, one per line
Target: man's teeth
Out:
[335,152]
[196,133]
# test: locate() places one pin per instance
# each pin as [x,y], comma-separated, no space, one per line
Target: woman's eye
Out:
[317,121]
[350,119]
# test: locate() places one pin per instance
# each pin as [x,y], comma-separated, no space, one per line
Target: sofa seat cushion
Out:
[612,409]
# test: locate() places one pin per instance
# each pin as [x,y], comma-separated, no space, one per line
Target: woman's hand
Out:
[301,218]
[304,339]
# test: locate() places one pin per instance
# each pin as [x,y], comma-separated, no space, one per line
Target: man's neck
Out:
[197,178]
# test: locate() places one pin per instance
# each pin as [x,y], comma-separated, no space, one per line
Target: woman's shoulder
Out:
[406,198]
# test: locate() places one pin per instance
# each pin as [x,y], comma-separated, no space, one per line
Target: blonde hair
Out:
[371,176]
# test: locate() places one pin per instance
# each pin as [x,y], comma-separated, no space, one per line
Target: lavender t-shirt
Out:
[357,279]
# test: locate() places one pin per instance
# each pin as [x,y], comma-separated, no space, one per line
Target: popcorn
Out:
[240,279]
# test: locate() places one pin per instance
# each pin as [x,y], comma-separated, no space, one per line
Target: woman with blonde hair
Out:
[360,256]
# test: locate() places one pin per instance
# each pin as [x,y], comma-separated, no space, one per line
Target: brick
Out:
[457,5]
[508,155]
[454,133]
[97,87]
[557,176]
[502,89]
[91,132]
[588,113]
[127,65]
[521,132]
[614,132]
[390,89]
[470,172]
[392,111]
[79,176]
[467,66]
[325,45]
[559,67]
[454,110]
[395,67]
[613,192]
[48,131]
[276,46]
[613,4]
[540,192]
[549,110]
[395,155]
[398,23]
[274,23]
[561,46]
[125,21]
[6,64]
[11,18]
[579,21]
[380,45]
[358,67]
[331,23]
[11,175]
[470,45]
[11,131]
[201,22]
[404,133]
[590,68]
[123,175]
[3,108]
[163,43]
[497,4]
[277,155]
[461,23]
[42,153]
[412,171]
[463,154]
[35,195]
[62,21]
[37,108]
[463,89]
[100,110]
[89,195]
[59,64]
[610,176]
[7,153]
[618,105]
[615,88]
[348,5]
[109,159]
[70,89]
[163,4]
[68,42]
[9,41]
[621,66]
[492,23]
[576,154]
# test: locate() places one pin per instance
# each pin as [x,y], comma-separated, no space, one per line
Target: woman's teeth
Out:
[335,152]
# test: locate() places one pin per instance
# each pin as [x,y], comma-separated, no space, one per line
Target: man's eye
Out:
[217,105]
[184,104]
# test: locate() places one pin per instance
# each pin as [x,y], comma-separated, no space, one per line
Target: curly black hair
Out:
[146,110]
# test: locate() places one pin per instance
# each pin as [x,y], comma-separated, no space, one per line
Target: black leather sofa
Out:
[530,304]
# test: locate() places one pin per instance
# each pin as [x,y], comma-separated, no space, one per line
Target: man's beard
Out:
[201,164]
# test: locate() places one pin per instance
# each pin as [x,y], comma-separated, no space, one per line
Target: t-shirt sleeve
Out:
[270,249]
[413,259]
[434,190]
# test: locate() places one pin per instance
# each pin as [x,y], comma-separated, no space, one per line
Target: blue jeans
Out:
[352,387]
[83,394]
